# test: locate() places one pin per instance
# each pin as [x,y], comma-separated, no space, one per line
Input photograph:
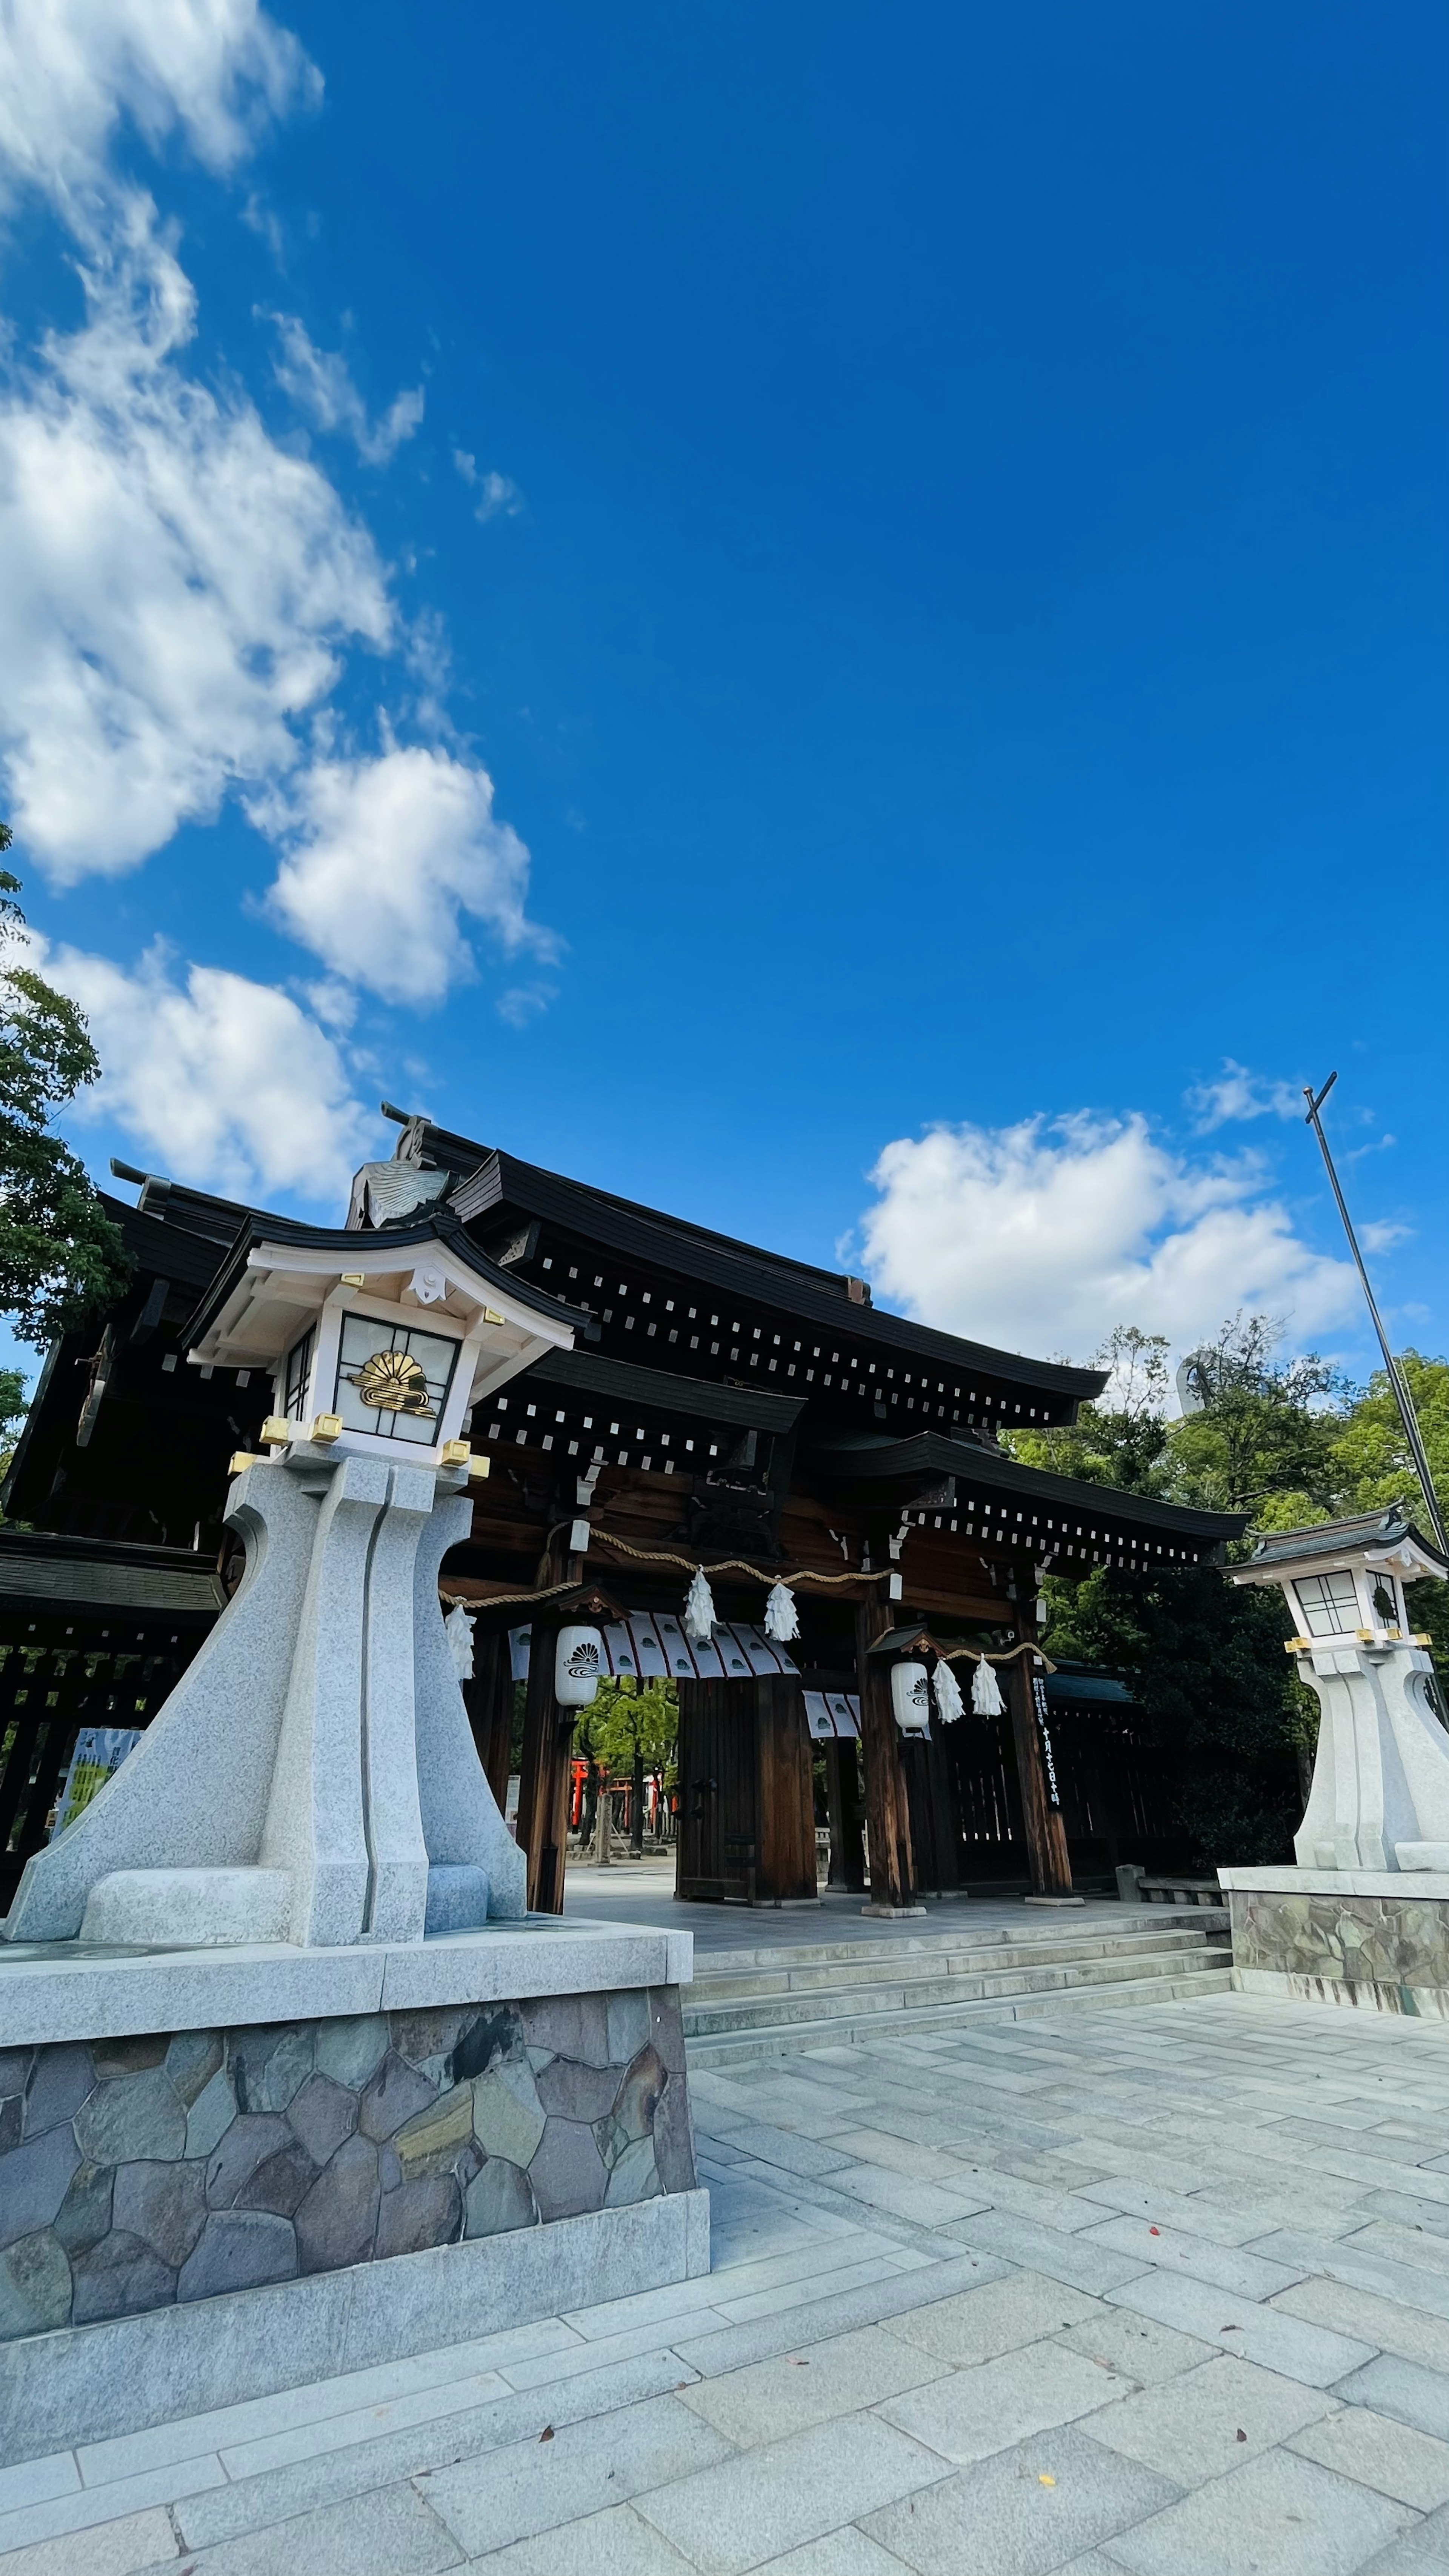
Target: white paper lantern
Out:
[578,1665]
[911,1697]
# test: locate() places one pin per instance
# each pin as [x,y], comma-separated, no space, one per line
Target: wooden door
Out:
[717,1821]
[785,1868]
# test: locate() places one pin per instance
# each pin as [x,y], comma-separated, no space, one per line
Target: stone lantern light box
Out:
[378,1343]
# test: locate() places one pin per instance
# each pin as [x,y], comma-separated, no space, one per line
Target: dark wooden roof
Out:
[660,1391]
[905,1471]
[46,1572]
[500,1184]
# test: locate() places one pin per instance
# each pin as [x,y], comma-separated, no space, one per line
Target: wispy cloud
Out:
[498,495]
[1381,1234]
[320,384]
[1239,1096]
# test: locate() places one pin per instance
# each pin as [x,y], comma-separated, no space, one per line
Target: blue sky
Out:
[831,617]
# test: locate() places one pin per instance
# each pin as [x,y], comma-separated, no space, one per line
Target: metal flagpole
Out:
[1396,1377]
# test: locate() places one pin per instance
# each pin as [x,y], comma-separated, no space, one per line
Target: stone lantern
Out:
[1372,1852]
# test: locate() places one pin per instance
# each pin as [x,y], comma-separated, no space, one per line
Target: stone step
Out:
[845,2000]
[733,2048]
[1135,1923]
[727,1974]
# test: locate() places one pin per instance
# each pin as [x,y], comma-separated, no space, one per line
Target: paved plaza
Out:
[1162,2290]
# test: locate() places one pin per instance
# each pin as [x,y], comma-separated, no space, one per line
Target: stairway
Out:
[760,2003]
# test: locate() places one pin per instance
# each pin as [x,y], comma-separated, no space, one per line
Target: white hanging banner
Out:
[705,1656]
[732,1654]
[681,1657]
[650,1658]
[818,1717]
[759,1654]
[845,1709]
[655,1647]
[619,1649]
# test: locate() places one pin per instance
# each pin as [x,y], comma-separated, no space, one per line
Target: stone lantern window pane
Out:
[1328,1604]
[297,1378]
[392,1381]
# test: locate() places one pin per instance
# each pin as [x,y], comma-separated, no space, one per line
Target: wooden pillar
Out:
[488,1698]
[842,1801]
[547,1738]
[784,1797]
[1046,1833]
[892,1877]
[934,1839]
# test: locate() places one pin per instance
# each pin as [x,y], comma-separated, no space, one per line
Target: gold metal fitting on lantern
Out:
[455,1453]
[326,1427]
[241,1459]
[477,1468]
[277,1432]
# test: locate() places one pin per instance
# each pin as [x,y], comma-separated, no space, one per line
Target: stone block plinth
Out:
[493,2126]
[1374,1939]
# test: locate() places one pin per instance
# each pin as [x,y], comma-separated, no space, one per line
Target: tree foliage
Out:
[1290,1443]
[630,1720]
[60,1255]
[14,1405]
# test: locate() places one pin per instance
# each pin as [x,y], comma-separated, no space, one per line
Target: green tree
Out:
[14,1405]
[1220,1705]
[1374,1469]
[1264,1440]
[60,1255]
[1122,1439]
[1205,1659]
[634,1728]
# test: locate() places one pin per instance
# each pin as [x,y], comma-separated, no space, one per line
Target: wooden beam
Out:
[892,1878]
[1045,1827]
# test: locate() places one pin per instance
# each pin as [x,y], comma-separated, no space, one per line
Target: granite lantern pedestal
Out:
[289,2081]
[1363,1916]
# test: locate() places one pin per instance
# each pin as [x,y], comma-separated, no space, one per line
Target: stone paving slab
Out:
[1043,2383]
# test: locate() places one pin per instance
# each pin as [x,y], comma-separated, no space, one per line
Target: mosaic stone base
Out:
[139,2173]
[1386,1953]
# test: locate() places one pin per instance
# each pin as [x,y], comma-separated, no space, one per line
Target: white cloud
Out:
[1238,1096]
[523,1002]
[1382,1234]
[176,590]
[222,1083]
[498,495]
[319,384]
[173,587]
[1040,1237]
[384,856]
[72,70]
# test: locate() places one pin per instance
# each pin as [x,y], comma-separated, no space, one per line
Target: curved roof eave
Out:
[435,1226]
[931,1453]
